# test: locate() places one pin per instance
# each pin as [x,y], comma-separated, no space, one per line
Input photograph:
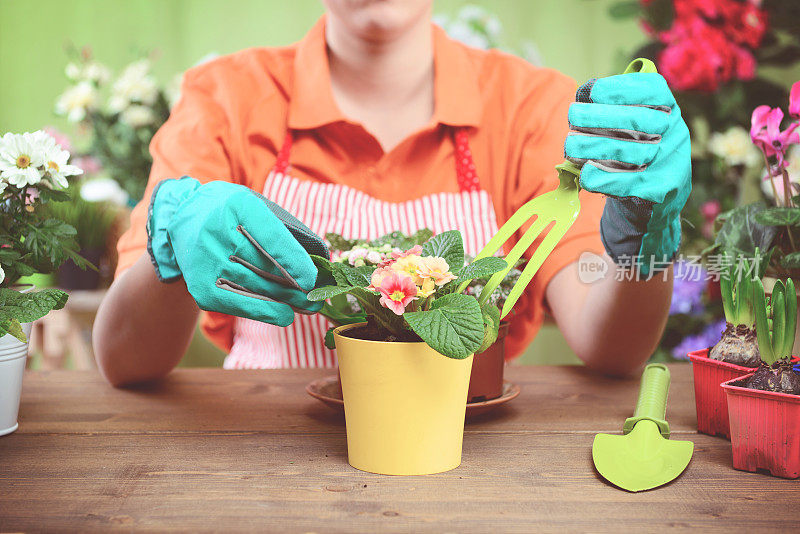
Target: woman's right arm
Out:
[143,326]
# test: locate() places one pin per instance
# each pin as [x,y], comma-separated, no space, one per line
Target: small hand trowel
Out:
[643,457]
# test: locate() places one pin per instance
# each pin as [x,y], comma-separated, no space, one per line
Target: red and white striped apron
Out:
[326,207]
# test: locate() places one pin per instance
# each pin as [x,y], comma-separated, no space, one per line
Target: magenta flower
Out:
[765,131]
[397,291]
[794,100]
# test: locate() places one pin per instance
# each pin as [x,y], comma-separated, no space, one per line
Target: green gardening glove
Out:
[627,133]
[238,252]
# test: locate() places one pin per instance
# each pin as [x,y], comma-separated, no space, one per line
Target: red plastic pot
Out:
[486,380]
[709,397]
[765,429]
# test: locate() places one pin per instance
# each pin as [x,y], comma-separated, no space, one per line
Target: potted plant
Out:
[93,222]
[764,406]
[735,354]
[33,170]
[486,378]
[488,367]
[405,370]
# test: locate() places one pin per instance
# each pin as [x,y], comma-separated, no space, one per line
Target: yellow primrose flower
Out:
[427,289]
[409,265]
[435,268]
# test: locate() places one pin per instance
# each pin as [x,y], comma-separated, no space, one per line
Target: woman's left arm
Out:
[615,323]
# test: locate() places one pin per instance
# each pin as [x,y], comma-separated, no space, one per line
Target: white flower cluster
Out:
[133,94]
[734,147]
[33,158]
[364,254]
[474,26]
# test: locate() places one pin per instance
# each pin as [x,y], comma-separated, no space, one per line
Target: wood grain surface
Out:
[215,450]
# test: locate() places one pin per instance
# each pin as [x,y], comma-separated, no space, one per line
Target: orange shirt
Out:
[233,114]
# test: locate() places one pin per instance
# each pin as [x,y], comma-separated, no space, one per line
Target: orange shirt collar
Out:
[456,92]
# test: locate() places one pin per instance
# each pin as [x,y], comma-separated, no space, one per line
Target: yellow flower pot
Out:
[404,405]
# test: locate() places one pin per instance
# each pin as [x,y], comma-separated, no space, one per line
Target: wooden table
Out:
[209,449]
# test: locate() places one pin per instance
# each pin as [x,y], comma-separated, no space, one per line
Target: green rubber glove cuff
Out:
[164,203]
[636,233]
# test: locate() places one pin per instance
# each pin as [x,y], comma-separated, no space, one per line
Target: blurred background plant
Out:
[480,28]
[723,59]
[94,222]
[115,118]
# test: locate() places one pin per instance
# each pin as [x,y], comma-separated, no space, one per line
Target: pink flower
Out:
[377,277]
[436,269]
[397,291]
[416,250]
[765,131]
[794,100]
[89,164]
[709,210]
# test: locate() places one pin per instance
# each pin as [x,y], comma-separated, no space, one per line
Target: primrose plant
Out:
[776,323]
[414,295]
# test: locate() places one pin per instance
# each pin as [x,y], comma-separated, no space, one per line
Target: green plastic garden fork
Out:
[556,210]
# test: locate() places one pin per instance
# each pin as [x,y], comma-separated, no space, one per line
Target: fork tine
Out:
[542,252]
[514,223]
[514,255]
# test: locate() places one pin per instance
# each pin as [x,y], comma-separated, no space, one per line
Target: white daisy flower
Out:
[55,164]
[21,158]
[77,100]
[137,116]
[134,86]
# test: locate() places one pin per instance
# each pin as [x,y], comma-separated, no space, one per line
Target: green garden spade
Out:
[643,457]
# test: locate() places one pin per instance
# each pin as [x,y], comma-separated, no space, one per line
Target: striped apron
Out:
[326,207]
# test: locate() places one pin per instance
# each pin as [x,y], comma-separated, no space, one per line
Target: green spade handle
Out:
[652,403]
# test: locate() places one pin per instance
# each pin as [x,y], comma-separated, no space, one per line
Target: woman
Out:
[377,121]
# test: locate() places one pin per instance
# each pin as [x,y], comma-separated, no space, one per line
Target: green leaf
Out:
[453,326]
[330,341]
[482,268]
[624,10]
[340,243]
[791,318]
[491,326]
[778,302]
[321,263]
[779,217]
[762,324]
[344,274]
[326,292]
[28,307]
[742,234]
[13,327]
[791,261]
[448,245]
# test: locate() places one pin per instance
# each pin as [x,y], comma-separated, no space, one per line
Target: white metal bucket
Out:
[13,354]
